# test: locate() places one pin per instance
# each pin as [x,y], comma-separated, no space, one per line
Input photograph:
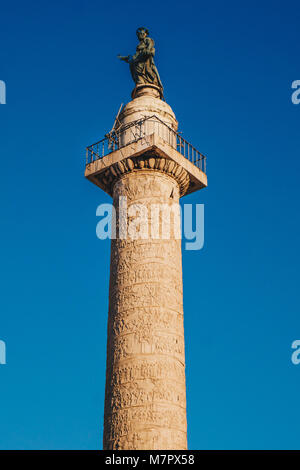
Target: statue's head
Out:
[142,33]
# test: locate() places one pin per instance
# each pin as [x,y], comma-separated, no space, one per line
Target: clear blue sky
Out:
[227,68]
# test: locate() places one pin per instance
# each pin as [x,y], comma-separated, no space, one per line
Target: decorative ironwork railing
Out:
[140,129]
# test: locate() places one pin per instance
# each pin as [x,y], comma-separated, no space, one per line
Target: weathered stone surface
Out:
[145,400]
[148,105]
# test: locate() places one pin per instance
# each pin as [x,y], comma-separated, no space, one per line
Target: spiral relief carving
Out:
[145,400]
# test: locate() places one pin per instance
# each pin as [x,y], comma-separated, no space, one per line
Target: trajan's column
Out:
[146,167]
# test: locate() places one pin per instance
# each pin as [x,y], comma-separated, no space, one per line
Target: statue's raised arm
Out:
[142,66]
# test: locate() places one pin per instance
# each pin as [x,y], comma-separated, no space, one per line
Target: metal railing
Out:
[140,129]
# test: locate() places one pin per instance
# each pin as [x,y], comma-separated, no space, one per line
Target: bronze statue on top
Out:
[142,67]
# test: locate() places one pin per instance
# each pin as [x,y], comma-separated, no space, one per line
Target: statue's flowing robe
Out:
[142,67]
